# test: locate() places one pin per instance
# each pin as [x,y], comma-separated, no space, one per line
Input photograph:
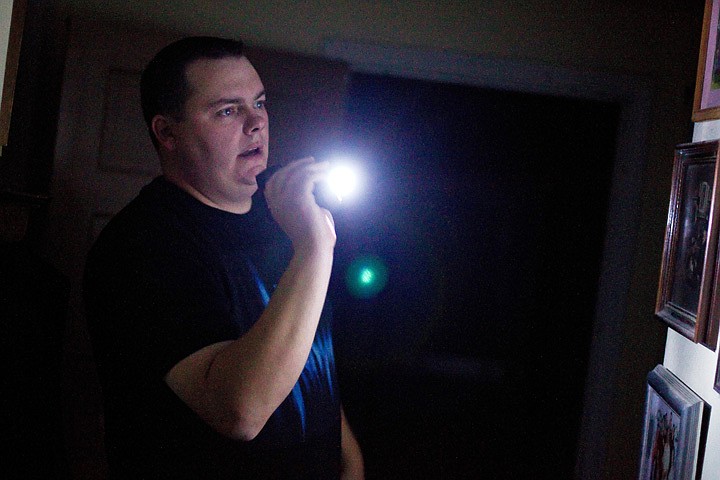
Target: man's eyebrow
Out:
[228,101]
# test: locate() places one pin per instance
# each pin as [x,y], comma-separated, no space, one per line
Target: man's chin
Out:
[250,177]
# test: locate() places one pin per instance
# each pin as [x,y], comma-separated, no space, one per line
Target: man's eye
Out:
[227,112]
[261,104]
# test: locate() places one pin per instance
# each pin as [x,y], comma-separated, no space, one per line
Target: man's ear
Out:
[162,128]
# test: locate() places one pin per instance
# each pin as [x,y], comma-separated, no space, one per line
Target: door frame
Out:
[632,94]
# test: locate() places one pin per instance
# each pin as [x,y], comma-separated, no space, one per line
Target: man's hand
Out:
[289,195]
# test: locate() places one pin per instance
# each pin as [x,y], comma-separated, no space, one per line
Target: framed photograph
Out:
[706,105]
[688,274]
[673,430]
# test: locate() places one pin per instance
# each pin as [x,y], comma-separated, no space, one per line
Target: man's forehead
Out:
[212,76]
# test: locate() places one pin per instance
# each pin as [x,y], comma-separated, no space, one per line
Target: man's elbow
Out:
[241,425]
[241,432]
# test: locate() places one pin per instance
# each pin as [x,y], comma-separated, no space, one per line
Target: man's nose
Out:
[255,121]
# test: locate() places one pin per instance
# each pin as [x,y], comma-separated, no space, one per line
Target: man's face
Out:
[221,144]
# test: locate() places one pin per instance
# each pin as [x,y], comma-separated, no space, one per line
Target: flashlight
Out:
[342,182]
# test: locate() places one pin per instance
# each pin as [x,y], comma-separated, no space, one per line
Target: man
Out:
[213,347]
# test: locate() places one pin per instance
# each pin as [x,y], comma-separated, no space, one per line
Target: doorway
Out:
[488,208]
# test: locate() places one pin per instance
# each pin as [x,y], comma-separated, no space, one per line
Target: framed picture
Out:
[688,274]
[706,105]
[673,430]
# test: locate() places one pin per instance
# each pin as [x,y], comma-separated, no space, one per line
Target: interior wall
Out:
[654,39]
[593,34]
[695,364]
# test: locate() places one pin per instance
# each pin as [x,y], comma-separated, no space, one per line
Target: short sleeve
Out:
[152,305]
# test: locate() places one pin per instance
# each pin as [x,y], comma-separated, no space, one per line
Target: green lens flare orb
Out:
[366,276]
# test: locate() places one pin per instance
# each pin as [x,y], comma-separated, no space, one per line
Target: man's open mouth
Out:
[251,152]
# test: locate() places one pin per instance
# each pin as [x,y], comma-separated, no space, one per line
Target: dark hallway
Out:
[488,209]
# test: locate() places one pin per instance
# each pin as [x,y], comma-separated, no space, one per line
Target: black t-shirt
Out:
[167,277]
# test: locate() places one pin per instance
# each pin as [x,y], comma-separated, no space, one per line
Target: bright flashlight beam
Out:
[341,183]
[342,180]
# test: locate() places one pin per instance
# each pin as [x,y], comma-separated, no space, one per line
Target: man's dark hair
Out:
[163,85]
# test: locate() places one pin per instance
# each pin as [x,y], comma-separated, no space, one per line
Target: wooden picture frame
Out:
[8,71]
[673,433]
[706,105]
[688,275]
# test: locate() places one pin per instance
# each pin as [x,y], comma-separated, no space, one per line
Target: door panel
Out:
[125,145]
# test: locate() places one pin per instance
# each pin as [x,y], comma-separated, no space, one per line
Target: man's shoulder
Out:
[137,220]
[151,225]
[146,247]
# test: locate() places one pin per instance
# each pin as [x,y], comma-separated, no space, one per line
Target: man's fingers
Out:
[300,174]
